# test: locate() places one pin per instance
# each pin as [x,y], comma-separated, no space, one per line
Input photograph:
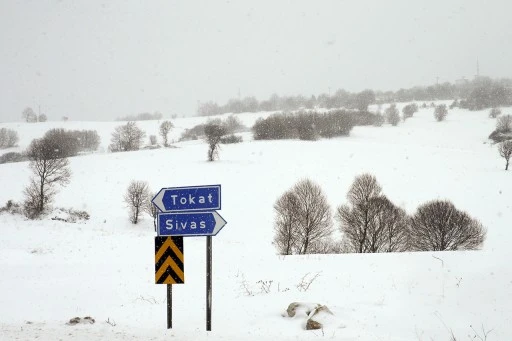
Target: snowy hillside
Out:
[104,268]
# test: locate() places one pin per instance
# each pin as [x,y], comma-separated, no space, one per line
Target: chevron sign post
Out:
[185,212]
[169,260]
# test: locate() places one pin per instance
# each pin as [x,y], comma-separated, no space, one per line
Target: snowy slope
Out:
[53,271]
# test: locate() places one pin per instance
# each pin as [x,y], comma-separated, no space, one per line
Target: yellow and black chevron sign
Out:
[169,261]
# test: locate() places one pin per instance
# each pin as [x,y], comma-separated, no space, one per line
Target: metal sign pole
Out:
[169,306]
[208,283]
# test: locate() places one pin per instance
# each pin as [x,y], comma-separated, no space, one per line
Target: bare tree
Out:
[49,170]
[136,197]
[314,219]
[357,219]
[303,220]
[505,149]
[29,115]
[388,230]
[165,128]
[438,226]
[285,225]
[440,112]
[8,138]
[126,137]
[213,133]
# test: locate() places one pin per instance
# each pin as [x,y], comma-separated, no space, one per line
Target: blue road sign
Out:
[190,224]
[193,198]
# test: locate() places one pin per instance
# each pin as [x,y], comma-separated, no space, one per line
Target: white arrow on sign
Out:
[158,202]
[219,223]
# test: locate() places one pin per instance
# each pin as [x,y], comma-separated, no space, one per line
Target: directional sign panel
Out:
[195,198]
[190,224]
[169,261]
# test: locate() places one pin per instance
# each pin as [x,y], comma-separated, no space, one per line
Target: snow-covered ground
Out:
[52,271]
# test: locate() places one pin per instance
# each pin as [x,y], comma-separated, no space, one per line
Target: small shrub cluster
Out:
[8,138]
[193,133]
[12,207]
[70,215]
[231,139]
[503,130]
[308,125]
[392,115]
[409,110]
[69,143]
[230,125]
[13,157]
[440,112]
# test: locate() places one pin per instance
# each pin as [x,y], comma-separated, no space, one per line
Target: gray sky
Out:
[98,60]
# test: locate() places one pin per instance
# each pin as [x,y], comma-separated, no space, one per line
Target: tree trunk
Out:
[506,166]
[40,205]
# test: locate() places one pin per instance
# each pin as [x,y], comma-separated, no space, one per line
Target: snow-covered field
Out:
[52,271]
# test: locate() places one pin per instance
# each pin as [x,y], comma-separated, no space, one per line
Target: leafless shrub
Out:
[265,286]
[438,226]
[306,281]
[136,197]
[12,207]
[504,124]
[111,322]
[505,149]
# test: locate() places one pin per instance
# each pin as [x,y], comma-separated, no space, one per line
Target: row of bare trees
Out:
[369,223]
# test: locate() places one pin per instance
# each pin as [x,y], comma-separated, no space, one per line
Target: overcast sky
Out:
[98,60]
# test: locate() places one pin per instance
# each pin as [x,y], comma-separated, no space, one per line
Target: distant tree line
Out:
[341,99]
[64,144]
[480,93]
[145,116]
